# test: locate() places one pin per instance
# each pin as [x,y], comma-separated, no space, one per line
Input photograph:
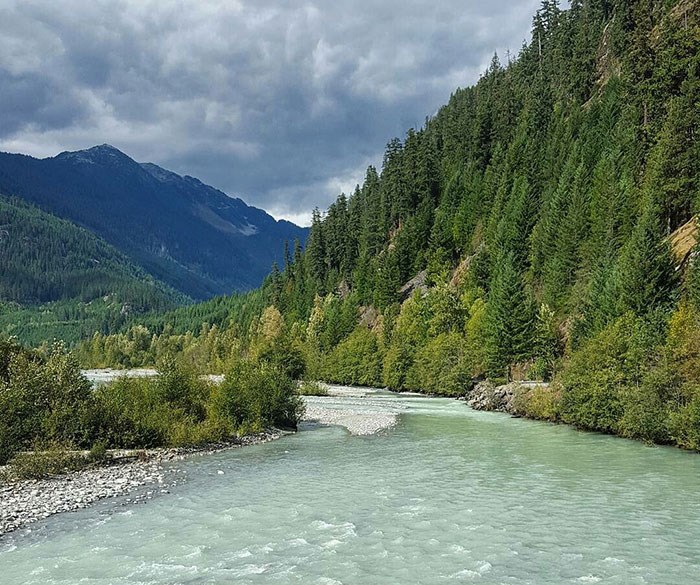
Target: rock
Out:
[486,396]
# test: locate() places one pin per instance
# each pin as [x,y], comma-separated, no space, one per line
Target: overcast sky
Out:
[282,103]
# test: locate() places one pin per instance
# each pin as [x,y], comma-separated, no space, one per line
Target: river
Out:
[448,495]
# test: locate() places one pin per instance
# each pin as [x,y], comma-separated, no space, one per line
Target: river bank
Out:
[28,501]
[359,410]
[451,495]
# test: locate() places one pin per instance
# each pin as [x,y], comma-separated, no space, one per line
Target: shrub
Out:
[397,363]
[43,399]
[541,402]
[356,360]
[646,409]
[440,367]
[182,388]
[130,413]
[98,452]
[684,423]
[257,395]
[594,378]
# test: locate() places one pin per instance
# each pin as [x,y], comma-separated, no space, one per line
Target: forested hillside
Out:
[524,231]
[87,284]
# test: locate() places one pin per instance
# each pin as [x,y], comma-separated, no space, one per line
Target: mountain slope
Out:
[182,232]
[44,258]
[58,280]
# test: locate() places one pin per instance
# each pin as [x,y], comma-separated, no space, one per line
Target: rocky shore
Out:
[487,396]
[356,422]
[144,474]
[25,502]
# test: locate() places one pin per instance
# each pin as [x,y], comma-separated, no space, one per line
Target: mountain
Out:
[62,281]
[185,233]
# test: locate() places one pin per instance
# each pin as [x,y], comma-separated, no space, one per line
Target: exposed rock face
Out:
[486,396]
[683,242]
[417,283]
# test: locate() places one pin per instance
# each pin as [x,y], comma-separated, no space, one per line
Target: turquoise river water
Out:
[447,496]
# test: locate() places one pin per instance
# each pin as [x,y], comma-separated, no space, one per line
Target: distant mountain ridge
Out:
[188,234]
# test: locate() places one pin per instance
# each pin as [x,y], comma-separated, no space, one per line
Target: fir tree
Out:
[509,324]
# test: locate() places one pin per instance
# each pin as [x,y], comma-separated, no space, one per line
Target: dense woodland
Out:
[61,281]
[522,232]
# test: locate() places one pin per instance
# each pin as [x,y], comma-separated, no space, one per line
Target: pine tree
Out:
[647,279]
[510,319]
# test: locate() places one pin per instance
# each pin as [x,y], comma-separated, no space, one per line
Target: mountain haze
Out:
[185,233]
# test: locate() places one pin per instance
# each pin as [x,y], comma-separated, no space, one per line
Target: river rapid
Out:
[447,495]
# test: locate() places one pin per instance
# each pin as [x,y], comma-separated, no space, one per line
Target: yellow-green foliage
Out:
[684,422]
[356,360]
[311,388]
[632,382]
[541,402]
[210,350]
[255,395]
[45,461]
[440,367]
[170,409]
[42,398]
[594,378]
[46,400]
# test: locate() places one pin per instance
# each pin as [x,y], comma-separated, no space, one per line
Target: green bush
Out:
[646,407]
[256,395]
[46,400]
[594,379]
[170,409]
[130,413]
[684,423]
[288,358]
[440,367]
[43,399]
[182,388]
[356,360]
[540,403]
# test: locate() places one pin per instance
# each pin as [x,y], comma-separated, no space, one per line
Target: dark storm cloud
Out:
[282,103]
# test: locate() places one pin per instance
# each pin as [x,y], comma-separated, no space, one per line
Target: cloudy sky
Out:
[283,103]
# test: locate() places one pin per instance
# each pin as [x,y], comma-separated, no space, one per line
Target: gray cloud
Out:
[283,103]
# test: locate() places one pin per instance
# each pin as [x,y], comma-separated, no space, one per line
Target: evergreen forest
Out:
[540,226]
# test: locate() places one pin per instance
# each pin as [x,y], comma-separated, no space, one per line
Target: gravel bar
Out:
[28,501]
[360,410]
